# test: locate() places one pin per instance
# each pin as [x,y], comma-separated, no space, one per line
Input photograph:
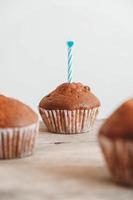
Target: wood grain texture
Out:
[63,167]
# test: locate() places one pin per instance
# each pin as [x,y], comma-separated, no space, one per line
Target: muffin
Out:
[70,108]
[116,140]
[18,128]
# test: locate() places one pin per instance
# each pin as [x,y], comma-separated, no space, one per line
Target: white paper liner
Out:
[67,121]
[17,142]
[118,154]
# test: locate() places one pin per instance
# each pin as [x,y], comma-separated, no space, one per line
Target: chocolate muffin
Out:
[70,108]
[116,140]
[18,128]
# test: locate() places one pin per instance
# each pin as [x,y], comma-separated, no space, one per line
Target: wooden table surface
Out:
[64,167]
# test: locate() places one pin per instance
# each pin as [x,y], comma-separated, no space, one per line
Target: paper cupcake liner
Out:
[17,142]
[66,121]
[118,154]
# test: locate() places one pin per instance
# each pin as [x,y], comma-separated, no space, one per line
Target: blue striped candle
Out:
[69,71]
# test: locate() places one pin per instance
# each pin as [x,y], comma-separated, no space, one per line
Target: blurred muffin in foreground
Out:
[116,140]
[18,128]
[70,108]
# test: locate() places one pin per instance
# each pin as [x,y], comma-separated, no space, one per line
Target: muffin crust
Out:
[70,96]
[120,123]
[14,114]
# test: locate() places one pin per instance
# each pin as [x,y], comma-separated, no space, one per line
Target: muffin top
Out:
[120,123]
[70,96]
[15,114]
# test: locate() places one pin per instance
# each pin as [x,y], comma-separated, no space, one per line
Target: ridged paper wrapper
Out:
[18,142]
[69,121]
[118,154]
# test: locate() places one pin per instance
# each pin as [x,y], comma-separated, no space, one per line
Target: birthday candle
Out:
[69,74]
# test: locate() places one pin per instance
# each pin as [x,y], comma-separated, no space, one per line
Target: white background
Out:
[33,54]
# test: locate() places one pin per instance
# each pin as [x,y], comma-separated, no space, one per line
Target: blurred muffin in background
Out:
[18,128]
[116,140]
